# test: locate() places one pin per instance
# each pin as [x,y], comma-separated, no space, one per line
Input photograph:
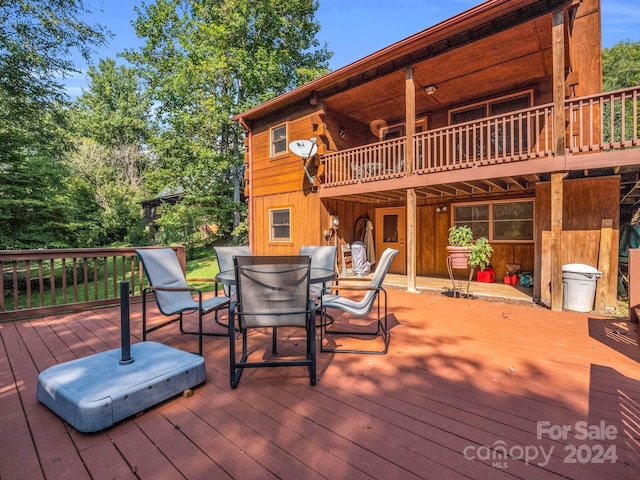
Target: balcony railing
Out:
[38,282]
[594,123]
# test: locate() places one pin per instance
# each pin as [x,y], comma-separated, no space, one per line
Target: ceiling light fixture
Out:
[430,89]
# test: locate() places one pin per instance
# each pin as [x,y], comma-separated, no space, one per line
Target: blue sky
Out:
[353,29]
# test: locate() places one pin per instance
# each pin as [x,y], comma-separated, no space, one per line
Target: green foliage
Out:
[620,69]
[203,62]
[76,176]
[105,184]
[480,250]
[36,37]
[114,110]
[480,254]
[621,65]
[460,236]
[32,204]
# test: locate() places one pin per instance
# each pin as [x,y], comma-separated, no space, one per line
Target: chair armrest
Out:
[352,279]
[361,288]
[172,289]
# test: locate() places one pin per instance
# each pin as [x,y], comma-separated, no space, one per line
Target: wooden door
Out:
[390,231]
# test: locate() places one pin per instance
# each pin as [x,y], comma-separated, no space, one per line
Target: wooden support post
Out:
[559,129]
[412,213]
[410,118]
[412,209]
[558,151]
[603,286]
[556,240]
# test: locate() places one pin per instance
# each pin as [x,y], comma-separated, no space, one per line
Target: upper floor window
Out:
[397,130]
[497,106]
[280,224]
[279,140]
[499,137]
[501,221]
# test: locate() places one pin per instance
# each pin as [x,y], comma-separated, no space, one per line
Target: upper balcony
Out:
[493,151]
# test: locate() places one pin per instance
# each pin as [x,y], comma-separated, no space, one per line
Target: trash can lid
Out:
[579,268]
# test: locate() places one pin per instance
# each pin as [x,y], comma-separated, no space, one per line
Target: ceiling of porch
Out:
[516,186]
[504,57]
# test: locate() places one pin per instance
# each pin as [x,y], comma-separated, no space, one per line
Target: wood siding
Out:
[586,203]
[308,220]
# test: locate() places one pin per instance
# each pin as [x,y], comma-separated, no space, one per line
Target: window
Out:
[500,221]
[475,216]
[497,137]
[397,130]
[390,228]
[280,225]
[498,106]
[279,140]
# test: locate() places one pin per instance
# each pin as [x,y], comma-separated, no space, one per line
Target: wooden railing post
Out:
[31,279]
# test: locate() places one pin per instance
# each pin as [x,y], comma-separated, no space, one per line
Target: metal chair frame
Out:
[359,309]
[238,312]
[203,307]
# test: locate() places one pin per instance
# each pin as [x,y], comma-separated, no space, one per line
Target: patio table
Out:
[317,275]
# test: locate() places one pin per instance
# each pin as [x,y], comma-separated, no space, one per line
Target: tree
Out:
[36,40]
[114,110]
[105,185]
[620,69]
[111,123]
[204,62]
[621,65]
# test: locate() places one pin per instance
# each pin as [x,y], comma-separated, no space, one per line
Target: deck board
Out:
[460,375]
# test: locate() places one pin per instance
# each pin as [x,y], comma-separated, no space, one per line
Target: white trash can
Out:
[579,286]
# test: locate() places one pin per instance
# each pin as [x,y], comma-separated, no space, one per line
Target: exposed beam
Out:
[521,184]
[464,187]
[498,183]
[628,194]
[442,190]
[478,185]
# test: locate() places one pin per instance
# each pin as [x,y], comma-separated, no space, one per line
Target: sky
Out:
[352,29]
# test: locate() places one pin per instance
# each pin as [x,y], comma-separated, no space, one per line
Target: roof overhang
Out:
[479,22]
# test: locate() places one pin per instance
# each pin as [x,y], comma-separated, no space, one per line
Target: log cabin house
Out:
[494,118]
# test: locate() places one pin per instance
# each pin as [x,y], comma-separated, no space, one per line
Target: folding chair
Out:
[272,292]
[173,296]
[359,308]
[225,255]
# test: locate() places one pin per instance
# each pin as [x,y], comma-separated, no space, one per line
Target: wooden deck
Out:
[463,381]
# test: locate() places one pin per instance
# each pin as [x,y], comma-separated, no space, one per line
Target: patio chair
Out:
[321,257]
[273,291]
[173,296]
[359,307]
[225,255]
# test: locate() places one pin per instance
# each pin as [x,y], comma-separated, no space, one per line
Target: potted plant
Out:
[465,252]
[480,254]
[460,243]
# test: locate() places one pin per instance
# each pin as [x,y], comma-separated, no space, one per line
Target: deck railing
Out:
[594,123]
[363,164]
[40,282]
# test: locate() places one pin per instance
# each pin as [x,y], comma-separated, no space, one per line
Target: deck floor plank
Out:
[461,375]
[15,435]
[56,454]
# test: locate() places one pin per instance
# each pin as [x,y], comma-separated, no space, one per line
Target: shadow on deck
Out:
[469,389]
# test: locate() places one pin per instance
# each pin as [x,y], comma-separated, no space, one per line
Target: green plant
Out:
[480,253]
[480,250]
[460,236]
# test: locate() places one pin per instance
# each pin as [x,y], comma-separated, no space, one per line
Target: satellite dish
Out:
[303,148]
[376,125]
